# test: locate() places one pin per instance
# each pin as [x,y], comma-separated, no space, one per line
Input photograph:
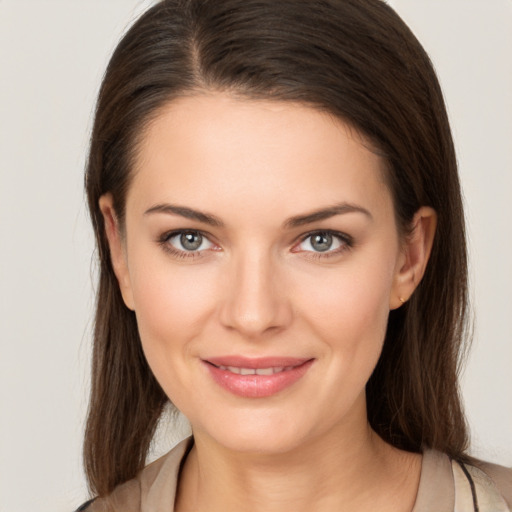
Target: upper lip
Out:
[256,362]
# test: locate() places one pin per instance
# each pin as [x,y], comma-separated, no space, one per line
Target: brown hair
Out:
[355,59]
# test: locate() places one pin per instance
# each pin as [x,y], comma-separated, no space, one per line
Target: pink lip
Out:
[257,386]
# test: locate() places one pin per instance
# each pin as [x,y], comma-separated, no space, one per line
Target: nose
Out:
[255,300]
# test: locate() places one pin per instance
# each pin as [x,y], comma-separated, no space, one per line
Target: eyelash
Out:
[346,241]
[346,244]
[163,241]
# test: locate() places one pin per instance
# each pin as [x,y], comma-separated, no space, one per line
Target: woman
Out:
[275,197]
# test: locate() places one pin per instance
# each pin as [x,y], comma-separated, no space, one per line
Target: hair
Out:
[355,59]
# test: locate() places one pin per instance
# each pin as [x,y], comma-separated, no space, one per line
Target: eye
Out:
[187,241]
[324,242]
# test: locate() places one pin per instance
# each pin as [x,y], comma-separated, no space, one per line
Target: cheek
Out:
[172,307]
[172,304]
[349,310]
[352,297]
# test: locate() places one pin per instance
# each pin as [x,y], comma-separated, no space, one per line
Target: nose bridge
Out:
[255,303]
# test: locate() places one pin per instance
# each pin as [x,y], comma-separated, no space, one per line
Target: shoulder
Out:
[447,484]
[154,486]
[482,486]
[84,506]
[125,497]
[498,477]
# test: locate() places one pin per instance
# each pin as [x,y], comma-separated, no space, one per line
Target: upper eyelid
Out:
[343,236]
[174,232]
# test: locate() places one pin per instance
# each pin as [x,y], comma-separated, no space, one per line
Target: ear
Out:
[414,257]
[117,248]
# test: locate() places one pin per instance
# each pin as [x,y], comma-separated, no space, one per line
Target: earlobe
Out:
[117,251]
[413,261]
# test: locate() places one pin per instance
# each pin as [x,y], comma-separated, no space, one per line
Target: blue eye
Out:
[324,242]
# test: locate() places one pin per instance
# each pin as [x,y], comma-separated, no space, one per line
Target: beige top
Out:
[445,486]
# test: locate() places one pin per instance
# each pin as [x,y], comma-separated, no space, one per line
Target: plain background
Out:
[52,56]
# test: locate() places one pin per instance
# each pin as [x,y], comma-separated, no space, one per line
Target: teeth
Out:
[264,371]
[256,371]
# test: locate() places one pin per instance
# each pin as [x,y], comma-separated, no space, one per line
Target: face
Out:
[261,257]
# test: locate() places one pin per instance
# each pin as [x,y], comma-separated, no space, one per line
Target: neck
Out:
[334,472]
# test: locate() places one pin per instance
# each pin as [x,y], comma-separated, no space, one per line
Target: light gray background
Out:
[52,56]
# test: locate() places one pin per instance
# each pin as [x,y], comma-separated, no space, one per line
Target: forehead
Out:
[218,150]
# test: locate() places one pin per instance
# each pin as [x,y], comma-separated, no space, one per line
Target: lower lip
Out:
[257,386]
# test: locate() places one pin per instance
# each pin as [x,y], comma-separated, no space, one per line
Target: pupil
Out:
[322,242]
[191,241]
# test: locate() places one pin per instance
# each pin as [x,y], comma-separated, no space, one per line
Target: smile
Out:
[256,378]
[256,371]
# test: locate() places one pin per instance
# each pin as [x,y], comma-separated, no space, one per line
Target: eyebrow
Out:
[293,222]
[326,213]
[188,213]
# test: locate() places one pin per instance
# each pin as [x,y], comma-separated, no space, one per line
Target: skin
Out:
[258,287]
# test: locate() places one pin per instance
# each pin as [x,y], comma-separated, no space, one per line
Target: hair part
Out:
[355,59]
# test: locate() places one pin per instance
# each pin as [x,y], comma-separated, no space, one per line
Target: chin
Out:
[261,442]
[257,432]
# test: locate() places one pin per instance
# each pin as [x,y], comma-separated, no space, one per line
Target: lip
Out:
[257,386]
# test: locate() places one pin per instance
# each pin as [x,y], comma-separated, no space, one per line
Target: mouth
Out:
[255,371]
[256,378]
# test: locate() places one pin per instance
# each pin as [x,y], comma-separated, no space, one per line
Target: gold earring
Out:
[401,299]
